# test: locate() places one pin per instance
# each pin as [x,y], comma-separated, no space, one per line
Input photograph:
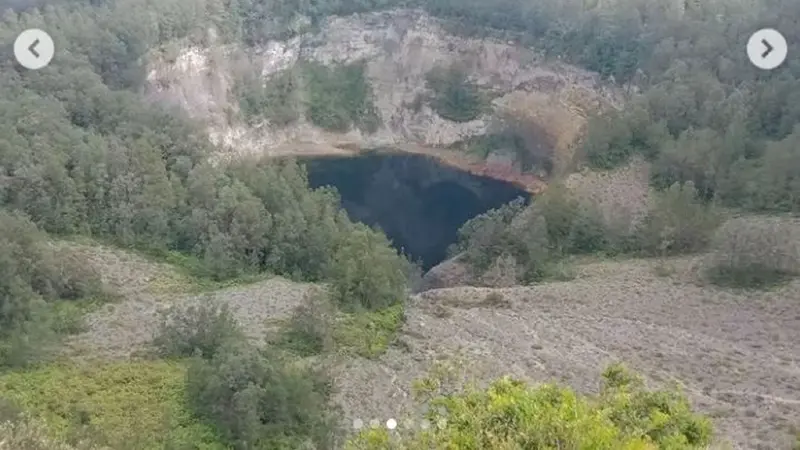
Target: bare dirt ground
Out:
[735,353]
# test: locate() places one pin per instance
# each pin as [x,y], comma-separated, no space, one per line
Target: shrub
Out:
[767,184]
[65,275]
[696,156]
[485,238]
[502,273]
[368,334]
[340,97]
[612,139]
[511,415]
[590,234]
[258,399]
[366,273]
[126,406]
[678,222]
[755,253]
[309,331]
[274,99]
[515,137]
[454,97]
[30,434]
[201,329]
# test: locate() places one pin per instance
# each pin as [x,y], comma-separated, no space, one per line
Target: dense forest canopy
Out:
[82,152]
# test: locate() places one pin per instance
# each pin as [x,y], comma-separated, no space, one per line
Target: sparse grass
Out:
[130,405]
[663,269]
[495,300]
[179,273]
[368,334]
[189,276]
[560,270]
[69,315]
[748,277]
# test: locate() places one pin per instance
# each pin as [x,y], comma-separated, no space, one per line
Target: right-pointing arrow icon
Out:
[769,48]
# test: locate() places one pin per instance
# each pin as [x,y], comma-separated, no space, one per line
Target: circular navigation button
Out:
[34,49]
[767,49]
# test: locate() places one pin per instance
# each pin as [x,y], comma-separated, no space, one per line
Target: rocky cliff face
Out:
[399,48]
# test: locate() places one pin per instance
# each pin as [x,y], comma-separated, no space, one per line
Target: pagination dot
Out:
[391,424]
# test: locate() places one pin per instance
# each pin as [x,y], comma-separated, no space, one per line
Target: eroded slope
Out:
[399,49]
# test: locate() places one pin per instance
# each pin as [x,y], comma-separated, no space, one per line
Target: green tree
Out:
[366,273]
[454,96]
[259,400]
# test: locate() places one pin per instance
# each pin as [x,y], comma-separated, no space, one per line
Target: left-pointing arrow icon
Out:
[32,48]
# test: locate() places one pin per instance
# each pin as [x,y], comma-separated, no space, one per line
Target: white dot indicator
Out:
[358,424]
[391,424]
[425,425]
[374,423]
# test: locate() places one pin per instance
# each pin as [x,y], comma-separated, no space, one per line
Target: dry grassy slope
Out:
[735,353]
[124,328]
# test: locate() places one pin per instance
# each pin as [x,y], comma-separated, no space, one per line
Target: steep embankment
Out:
[399,48]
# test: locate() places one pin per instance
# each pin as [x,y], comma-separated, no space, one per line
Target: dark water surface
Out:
[417,202]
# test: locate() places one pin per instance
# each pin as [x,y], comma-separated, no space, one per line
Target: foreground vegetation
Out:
[222,392]
[510,414]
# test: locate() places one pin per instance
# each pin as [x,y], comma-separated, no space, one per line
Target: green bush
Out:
[512,415]
[755,253]
[537,237]
[36,281]
[257,399]
[202,329]
[678,222]
[340,97]
[454,97]
[310,329]
[125,406]
[365,273]
[696,156]
[275,99]
[768,184]
[484,238]
[612,139]
[368,334]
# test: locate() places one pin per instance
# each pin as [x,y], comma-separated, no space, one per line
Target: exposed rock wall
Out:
[399,48]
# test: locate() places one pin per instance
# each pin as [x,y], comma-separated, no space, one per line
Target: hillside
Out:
[217,220]
[660,321]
